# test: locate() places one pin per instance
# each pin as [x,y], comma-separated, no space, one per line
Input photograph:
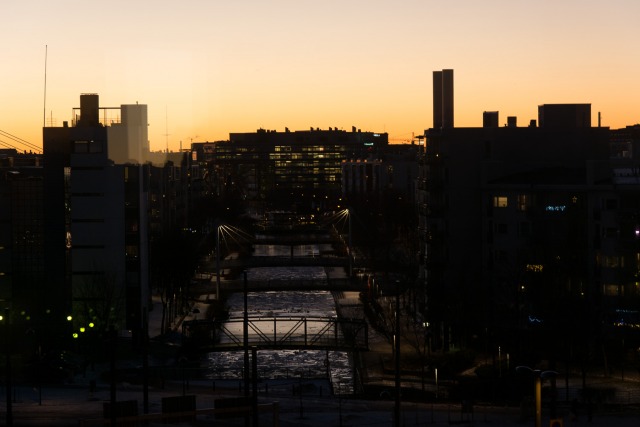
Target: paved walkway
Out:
[66,406]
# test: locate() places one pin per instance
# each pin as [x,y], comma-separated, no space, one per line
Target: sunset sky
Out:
[206,68]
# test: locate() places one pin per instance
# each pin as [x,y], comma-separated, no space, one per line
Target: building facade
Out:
[519,225]
[300,170]
[95,224]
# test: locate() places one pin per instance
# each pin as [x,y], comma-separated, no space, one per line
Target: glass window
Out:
[500,201]
[523,202]
[95,146]
[611,290]
[525,228]
[80,147]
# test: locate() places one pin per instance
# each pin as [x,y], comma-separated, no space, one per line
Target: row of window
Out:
[87,146]
[305,178]
[524,229]
[525,201]
[605,261]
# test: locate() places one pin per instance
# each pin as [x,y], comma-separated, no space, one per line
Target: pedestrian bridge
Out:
[275,333]
[253,285]
[284,261]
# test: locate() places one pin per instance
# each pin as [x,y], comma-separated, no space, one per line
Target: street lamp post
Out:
[350,248]
[9,386]
[245,336]
[396,412]
[218,262]
[538,377]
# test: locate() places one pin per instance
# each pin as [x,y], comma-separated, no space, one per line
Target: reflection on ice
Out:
[286,303]
[281,364]
[283,250]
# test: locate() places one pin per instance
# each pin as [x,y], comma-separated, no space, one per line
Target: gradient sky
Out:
[206,68]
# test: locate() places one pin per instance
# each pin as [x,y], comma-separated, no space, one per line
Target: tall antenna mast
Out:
[166,128]
[44,110]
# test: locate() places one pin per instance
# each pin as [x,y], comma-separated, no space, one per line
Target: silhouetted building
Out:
[564,116]
[392,173]
[95,214]
[129,138]
[299,170]
[490,119]
[127,128]
[443,99]
[513,219]
[22,272]
[169,196]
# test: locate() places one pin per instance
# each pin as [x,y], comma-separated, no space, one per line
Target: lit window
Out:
[534,268]
[611,261]
[523,202]
[611,290]
[500,201]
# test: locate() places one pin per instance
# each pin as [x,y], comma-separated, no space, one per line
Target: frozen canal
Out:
[282,364]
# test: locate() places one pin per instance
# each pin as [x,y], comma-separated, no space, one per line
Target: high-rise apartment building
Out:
[23,281]
[95,214]
[515,220]
[299,170]
[443,99]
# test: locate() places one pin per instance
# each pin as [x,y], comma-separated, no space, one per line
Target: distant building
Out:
[564,116]
[130,138]
[394,171]
[299,170]
[443,99]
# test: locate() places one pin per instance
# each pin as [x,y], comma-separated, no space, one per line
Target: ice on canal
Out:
[282,364]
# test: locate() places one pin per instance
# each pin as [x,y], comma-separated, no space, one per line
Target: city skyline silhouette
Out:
[206,69]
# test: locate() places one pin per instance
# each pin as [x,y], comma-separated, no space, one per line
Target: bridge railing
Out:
[277,333]
[290,284]
[275,261]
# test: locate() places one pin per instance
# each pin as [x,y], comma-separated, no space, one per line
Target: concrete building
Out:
[300,170]
[443,99]
[394,171]
[129,138]
[504,207]
[22,272]
[95,214]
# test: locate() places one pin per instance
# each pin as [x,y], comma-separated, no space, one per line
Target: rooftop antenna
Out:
[166,128]
[44,109]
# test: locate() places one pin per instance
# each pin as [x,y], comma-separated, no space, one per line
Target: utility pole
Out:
[218,262]
[7,336]
[350,248]
[396,413]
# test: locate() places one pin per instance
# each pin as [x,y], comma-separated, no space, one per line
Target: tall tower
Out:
[437,99]
[443,99]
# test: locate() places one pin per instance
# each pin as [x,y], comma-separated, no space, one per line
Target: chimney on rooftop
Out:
[89,108]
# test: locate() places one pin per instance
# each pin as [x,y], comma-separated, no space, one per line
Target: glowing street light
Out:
[538,377]
[9,385]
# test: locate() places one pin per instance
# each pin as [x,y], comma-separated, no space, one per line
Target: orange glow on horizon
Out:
[206,69]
